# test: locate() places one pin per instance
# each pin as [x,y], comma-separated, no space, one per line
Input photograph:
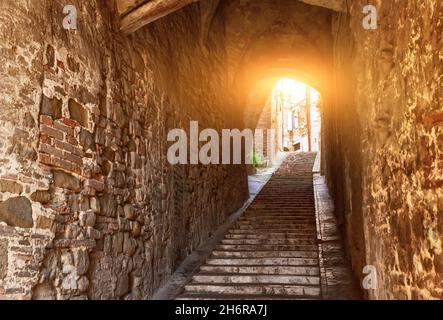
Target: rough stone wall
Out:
[398,70]
[89,206]
[341,147]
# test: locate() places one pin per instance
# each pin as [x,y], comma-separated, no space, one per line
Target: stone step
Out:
[196,296]
[283,204]
[284,208]
[264,254]
[262,261]
[254,278]
[259,221]
[288,213]
[265,247]
[254,289]
[270,236]
[278,204]
[277,219]
[283,225]
[268,241]
[271,251]
[279,270]
[271,218]
[272,231]
[271,222]
[288,216]
[264,228]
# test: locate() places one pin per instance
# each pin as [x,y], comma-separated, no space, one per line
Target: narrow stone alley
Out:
[272,251]
[140,145]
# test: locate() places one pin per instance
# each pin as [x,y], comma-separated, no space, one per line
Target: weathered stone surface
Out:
[78,113]
[10,186]
[29,121]
[94,203]
[50,56]
[51,107]
[69,282]
[81,261]
[386,164]
[86,140]
[122,286]
[73,65]
[3,258]
[72,231]
[87,218]
[129,212]
[43,292]
[108,206]
[109,154]
[117,243]
[120,117]
[136,228]
[41,196]
[17,212]
[44,222]
[129,245]
[128,92]
[93,233]
[83,284]
[65,180]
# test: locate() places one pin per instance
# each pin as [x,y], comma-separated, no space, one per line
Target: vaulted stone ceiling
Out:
[138,13]
[292,39]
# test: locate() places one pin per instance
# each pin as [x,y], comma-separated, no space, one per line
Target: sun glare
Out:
[297,115]
[295,91]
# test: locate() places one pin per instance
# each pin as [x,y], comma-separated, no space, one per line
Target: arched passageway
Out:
[93,95]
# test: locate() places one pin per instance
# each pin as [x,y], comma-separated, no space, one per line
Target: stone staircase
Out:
[271,252]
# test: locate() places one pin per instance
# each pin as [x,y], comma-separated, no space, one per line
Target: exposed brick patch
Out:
[70,122]
[50,131]
[58,146]
[95,184]
[44,138]
[69,147]
[51,151]
[61,163]
[63,127]
[72,158]
[47,120]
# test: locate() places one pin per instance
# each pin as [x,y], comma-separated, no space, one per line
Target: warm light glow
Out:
[295,91]
[298,116]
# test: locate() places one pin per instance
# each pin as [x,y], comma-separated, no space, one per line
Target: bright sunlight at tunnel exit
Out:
[297,114]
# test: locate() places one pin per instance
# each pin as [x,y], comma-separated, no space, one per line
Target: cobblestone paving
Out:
[273,251]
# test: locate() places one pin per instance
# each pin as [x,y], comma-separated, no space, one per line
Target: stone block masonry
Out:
[87,206]
[90,208]
[387,123]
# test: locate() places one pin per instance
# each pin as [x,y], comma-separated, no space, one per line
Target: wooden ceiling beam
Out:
[138,13]
[150,11]
[336,5]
